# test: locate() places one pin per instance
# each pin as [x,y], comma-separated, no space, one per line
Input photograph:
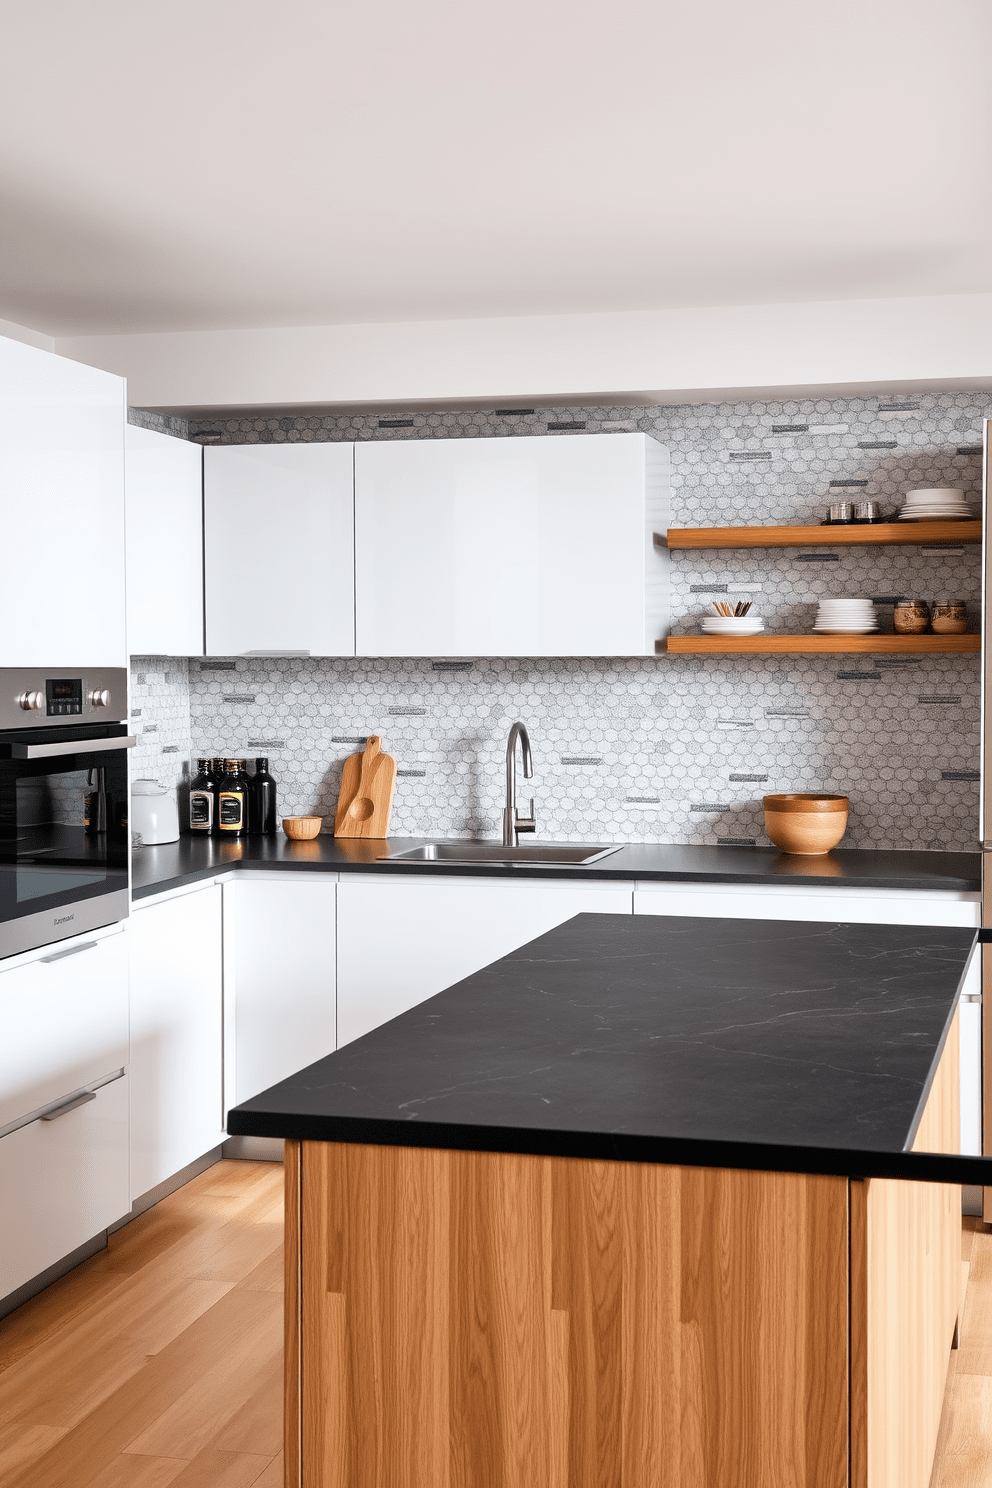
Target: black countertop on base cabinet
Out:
[174,864]
[783,1046]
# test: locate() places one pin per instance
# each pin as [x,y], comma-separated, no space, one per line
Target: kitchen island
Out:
[640,1203]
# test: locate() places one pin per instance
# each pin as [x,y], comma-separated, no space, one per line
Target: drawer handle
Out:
[88,945]
[73,1105]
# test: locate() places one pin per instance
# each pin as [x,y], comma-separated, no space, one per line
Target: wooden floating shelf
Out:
[807,645]
[886,533]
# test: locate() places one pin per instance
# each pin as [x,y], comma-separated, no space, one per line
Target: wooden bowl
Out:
[804,823]
[302,828]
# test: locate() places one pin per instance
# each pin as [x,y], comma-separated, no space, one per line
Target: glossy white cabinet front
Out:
[164,506]
[279,940]
[402,940]
[177,994]
[534,546]
[62,1182]
[63,1101]
[62,506]
[279,549]
[64,1020]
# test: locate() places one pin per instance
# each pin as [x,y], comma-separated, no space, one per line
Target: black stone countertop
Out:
[155,869]
[789,1046]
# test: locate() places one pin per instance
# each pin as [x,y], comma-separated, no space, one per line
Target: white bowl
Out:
[744,623]
[745,628]
[935,495]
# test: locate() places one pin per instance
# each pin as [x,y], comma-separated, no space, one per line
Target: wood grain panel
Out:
[291,1322]
[486,1320]
[886,534]
[905,1299]
[810,645]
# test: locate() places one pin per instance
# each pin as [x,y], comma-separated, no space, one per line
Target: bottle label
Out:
[231,811]
[201,811]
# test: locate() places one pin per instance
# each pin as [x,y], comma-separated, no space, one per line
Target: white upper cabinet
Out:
[62,507]
[279,549]
[533,546]
[164,508]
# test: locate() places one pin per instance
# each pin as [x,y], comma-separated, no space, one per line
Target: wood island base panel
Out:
[467,1319]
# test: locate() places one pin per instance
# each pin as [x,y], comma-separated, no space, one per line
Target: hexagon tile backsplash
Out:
[679,749]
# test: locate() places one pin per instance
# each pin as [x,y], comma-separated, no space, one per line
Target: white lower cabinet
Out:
[401,940]
[64,1016]
[63,1101]
[279,941]
[855,906]
[177,991]
[63,1181]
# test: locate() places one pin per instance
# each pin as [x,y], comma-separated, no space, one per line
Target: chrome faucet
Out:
[513,822]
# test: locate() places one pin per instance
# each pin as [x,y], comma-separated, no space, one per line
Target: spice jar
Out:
[911,617]
[949,616]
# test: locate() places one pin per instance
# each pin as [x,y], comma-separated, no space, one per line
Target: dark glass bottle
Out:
[203,798]
[232,801]
[262,801]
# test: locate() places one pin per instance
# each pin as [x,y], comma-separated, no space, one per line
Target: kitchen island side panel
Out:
[906,1295]
[504,1320]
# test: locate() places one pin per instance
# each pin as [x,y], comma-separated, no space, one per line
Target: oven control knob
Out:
[100,698]
[29,700]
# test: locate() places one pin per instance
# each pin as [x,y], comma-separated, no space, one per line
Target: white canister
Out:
[154,812]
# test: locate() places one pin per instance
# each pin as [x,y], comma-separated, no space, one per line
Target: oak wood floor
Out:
[964,1447]
[159,1361]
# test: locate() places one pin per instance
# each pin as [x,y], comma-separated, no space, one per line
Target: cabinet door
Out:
[510,547]
[64,1017]
[62,499]
[176,1034]
[279,549]
[401,941]
[280,939]
[62,1181]
[164,505]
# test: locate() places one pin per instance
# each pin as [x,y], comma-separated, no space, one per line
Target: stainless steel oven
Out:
[64,839]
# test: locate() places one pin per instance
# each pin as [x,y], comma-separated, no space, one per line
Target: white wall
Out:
[15,332]
[932,342]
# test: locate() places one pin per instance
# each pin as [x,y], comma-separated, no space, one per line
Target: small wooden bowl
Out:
[302,828]
[804,823]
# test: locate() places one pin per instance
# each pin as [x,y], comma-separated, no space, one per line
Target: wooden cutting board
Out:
[366,796]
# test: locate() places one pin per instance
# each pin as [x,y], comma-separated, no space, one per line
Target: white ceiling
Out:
[210,164]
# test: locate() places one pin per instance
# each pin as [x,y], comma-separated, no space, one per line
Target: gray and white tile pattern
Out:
[680,749]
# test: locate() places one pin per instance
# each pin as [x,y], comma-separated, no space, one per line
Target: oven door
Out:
[64,841]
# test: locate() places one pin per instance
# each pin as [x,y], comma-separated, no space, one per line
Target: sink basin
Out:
[558,855]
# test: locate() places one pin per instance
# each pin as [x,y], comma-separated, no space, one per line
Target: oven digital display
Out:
[64,695]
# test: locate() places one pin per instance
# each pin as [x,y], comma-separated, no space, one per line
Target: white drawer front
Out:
[65,1023]
[61,1183]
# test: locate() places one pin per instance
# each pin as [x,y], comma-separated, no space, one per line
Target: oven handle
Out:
[80,746]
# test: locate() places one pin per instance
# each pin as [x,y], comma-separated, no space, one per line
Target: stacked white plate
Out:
[733,625]
[846,617]
[942,504]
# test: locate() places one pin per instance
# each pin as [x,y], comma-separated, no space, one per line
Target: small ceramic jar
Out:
[911,617]
[949,616]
